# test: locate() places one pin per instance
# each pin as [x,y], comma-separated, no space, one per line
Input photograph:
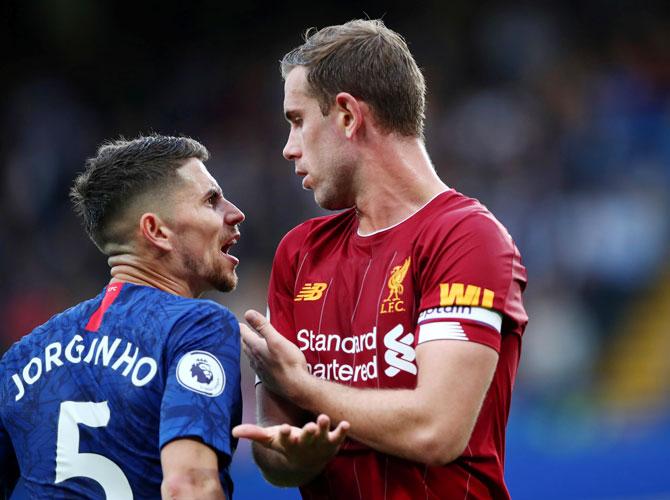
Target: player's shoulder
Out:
[203,323]
[317,227]
[140,299]
[458,215]
[457,207]
[55,326]
[204,308]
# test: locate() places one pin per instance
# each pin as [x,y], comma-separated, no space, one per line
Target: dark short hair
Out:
[122,171]
[372,63]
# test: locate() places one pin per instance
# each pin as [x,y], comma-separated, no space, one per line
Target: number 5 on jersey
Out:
[70,463]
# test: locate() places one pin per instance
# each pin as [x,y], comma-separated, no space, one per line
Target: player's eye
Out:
[295,121]
[213,199]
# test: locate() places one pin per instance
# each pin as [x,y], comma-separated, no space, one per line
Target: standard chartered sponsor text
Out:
[335,369]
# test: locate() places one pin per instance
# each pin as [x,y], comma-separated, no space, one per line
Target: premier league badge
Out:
[201,372]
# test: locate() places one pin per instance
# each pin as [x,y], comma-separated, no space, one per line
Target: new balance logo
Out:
[311,291]
[461,295]
[399,353]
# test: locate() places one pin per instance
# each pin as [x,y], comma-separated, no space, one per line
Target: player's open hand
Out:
[308,447]
[278,362]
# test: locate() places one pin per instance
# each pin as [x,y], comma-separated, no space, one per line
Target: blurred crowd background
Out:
[556,115]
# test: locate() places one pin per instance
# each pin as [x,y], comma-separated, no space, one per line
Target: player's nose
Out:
[233,215]
[291,149]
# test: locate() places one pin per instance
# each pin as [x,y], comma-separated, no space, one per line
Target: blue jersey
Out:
[88,399]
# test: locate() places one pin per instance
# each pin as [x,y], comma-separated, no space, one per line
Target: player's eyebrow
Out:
[213,191]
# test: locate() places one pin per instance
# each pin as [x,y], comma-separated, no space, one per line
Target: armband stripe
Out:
[443,330]
[481,315]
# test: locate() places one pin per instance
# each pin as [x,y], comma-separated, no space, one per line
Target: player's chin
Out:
[324,199]
[226,282]
[331,201]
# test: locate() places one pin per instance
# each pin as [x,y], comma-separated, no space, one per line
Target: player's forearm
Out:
[205,485]
[190,470]
[279,471]
[398,422]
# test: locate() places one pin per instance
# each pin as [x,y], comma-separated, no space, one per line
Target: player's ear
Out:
[350,113]
[155,231]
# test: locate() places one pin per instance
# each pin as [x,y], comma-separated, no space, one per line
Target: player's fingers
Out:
[338,435]
[249,343]
[323,421]
[253,432]
[310,427]
[249,336]
[309,432]
[284,436]
[254,346]
[255,319]
[260,323]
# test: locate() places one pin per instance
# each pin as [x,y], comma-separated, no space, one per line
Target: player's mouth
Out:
[305,178]
[228,245]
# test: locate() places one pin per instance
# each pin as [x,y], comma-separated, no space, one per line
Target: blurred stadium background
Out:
[554,114]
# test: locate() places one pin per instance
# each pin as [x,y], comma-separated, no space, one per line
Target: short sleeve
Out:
[471,279]
[202,397]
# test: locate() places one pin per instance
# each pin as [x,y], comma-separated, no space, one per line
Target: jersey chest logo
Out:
[311,291]
[394,303]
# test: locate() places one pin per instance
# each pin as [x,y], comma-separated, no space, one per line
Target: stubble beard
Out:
[220,280]
[225,283]
[336,191]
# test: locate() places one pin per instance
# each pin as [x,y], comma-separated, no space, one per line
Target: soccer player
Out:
[402,314]
[134,393]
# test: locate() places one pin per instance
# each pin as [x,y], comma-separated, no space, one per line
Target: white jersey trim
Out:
[482,315]
[358,231]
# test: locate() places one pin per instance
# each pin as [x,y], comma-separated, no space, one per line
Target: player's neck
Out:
[130,269]
[398,180]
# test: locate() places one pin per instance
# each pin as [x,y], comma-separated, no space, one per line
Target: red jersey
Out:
[357,306]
